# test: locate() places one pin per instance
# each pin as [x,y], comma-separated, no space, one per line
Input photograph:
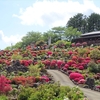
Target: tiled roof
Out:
[91,33]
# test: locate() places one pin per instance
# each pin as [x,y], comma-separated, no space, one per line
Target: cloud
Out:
[53,12]
[12,39]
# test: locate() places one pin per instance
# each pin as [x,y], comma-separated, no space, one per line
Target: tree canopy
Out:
[84,23]
[76,26]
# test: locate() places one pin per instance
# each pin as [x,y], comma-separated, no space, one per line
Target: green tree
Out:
[31,37]
[76,21]
[84,23]
[71,33]
[94,22]
[59,31]
[17,45]
[8,48]
[50,34]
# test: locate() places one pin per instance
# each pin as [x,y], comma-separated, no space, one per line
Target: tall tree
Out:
[94,22]
[85,24]
[76,21]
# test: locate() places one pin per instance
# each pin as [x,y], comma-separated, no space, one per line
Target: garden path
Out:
[65,81]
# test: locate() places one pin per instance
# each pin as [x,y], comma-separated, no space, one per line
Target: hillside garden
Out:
[23,72]
[23,66]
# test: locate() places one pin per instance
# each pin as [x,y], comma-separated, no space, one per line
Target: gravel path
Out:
[65,81]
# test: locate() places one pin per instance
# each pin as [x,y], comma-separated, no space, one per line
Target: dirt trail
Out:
[65,81]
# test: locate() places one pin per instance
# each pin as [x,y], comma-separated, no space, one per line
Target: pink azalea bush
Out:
[45,78]
[81,81]
[74,75]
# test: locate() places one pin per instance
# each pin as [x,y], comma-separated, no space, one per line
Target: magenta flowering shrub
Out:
[70,62]
[78,44]
[66,66]
[84,43]
[46,63]
[70,53]
[74,75]
[59,63]
[45,78]
[80,67]
[74,65]
[49,53]
[77,79]
[53,63]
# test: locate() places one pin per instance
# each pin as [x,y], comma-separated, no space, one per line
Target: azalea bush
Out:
[5,85]
[25,81]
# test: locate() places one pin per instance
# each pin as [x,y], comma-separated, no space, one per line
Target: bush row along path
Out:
[65,81]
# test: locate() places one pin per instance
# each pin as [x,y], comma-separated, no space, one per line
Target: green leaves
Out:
[71,33]
[85,24]
[52,92]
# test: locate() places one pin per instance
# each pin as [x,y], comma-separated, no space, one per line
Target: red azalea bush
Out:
[74,58]
[53,64]
[4,84]
[49,53]
[74,65]
[47,63]
[80,59]
[23,80]
[70,62]
[26,62]
[70,52]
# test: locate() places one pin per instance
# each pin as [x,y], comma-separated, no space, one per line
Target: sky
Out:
[18,17]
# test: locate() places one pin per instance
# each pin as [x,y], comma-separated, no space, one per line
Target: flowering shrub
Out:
[45,78]
[49,53]
[84,43]
[81,67]
[73,45]
[59,63]
[53,64]
[81,81]
[4,84]
[74,75]
[78,44]
[24,80]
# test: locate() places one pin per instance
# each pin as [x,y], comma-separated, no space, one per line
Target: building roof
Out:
[91,33]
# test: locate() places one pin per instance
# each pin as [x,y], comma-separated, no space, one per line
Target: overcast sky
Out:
[17,17]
